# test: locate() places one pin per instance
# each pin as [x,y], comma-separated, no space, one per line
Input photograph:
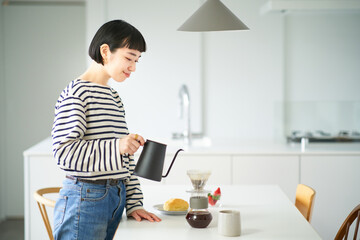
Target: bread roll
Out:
[176,204]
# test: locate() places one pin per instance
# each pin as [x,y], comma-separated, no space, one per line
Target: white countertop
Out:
[266,213]
[238,148]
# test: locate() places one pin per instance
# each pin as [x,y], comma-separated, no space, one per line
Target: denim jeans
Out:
[88,211]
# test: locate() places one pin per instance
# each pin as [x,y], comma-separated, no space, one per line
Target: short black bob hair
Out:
[116,34]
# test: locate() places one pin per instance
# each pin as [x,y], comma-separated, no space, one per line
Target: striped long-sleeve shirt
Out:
[89,122]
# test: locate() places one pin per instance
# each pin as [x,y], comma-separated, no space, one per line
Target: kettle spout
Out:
[172,162]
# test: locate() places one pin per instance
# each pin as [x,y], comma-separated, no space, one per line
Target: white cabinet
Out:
[336,180]
[263,169]
[40,171]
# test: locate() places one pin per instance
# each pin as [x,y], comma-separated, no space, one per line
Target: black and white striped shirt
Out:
[89,122]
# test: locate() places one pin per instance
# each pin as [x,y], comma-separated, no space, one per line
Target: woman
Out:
[92,144]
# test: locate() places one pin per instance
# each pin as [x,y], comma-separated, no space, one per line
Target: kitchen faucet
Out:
[184,97]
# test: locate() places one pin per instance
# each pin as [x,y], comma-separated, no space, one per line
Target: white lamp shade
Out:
[213,15]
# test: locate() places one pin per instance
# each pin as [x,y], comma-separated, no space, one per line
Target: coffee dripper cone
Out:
[198,178]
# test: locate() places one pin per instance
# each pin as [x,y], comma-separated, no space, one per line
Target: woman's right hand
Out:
[131,143]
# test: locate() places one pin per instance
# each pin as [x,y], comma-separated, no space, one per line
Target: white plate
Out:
[160,208]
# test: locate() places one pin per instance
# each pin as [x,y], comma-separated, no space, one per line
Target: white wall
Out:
[323,56]
[323,73]
[43,51]
[244,75]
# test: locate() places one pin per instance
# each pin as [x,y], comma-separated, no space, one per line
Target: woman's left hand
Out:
[142,214]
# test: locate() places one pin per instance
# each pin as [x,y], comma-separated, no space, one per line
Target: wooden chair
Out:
[344,229]
[42,202]
[304,201]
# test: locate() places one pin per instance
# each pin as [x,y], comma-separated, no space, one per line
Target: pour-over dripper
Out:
[198,178]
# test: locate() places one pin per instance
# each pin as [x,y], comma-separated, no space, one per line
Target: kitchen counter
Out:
[238,148]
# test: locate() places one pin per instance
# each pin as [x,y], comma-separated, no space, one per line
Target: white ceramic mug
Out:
[229,223]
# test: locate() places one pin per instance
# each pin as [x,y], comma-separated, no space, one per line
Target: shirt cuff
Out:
[118,154]
[128,213]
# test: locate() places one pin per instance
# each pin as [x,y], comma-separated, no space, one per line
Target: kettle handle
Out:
[172,162]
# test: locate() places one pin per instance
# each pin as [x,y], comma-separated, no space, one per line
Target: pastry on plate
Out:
[176,204]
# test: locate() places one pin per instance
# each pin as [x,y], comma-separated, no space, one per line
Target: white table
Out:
[266,213]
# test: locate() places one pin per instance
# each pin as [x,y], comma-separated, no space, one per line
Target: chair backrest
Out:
[344,229]
[305,197]
[42,202]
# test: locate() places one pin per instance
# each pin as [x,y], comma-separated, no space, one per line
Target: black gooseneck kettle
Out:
[151,161]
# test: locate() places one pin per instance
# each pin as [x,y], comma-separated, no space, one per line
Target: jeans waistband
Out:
[112,182]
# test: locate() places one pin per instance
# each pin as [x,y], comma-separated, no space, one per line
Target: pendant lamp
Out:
[213,15]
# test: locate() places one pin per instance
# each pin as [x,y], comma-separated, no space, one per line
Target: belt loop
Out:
[74,179]
[108,183]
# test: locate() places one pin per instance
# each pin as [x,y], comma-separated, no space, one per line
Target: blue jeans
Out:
[88,211]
